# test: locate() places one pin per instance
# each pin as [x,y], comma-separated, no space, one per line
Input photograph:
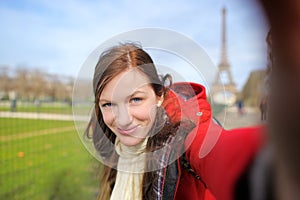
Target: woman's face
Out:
[128,105]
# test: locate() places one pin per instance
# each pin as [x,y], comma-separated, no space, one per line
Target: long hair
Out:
[111,63]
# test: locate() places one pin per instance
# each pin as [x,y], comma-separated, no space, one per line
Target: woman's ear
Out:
[160,100]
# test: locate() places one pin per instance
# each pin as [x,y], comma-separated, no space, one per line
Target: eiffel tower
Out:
[219,86]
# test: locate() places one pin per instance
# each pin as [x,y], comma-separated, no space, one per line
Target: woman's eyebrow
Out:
[137,92]
[103,99]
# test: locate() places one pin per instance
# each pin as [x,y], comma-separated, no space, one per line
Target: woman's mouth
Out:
[127,131]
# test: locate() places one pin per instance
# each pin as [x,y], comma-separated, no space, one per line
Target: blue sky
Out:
[57,36]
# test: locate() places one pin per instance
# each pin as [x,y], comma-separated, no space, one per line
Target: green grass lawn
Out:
[11,126]
[52,166]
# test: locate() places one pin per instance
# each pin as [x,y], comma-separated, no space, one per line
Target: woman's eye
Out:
[106,105]
[136,100]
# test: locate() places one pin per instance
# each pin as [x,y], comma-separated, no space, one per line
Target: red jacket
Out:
[218,156]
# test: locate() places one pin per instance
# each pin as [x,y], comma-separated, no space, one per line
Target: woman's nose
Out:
[123,117]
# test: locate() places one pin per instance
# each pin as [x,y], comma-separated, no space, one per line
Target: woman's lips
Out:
[127,131]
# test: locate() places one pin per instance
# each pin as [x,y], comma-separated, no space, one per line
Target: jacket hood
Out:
[187,101]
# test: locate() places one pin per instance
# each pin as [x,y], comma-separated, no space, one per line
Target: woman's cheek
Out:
[145,113]
[108,117]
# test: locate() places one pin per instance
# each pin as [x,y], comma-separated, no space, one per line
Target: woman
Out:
[159,141]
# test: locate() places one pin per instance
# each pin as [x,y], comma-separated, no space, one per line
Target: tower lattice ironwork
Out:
[220,84]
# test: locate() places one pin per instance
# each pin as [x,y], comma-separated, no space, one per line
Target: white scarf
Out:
[130,171]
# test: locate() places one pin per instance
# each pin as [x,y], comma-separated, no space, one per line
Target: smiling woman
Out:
[158,141]
[127,104]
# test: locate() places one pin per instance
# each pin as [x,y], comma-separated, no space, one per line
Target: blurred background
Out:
[43,46]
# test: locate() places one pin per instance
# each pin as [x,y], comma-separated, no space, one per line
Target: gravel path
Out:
[231,118]
[31,115]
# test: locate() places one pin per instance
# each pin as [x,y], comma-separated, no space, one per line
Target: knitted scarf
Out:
[130,171]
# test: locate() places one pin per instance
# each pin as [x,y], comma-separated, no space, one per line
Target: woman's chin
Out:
[131,141]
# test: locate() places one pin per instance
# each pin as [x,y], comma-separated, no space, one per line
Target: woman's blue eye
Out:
[136,99]
[106,105]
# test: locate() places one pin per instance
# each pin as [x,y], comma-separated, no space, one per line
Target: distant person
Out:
[37,104]
[240,106]
[140,124]
[263,106]
[13,105]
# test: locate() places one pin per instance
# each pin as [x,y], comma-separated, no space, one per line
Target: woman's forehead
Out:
[125,84]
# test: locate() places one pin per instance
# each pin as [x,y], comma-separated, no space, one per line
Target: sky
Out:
[58,36]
